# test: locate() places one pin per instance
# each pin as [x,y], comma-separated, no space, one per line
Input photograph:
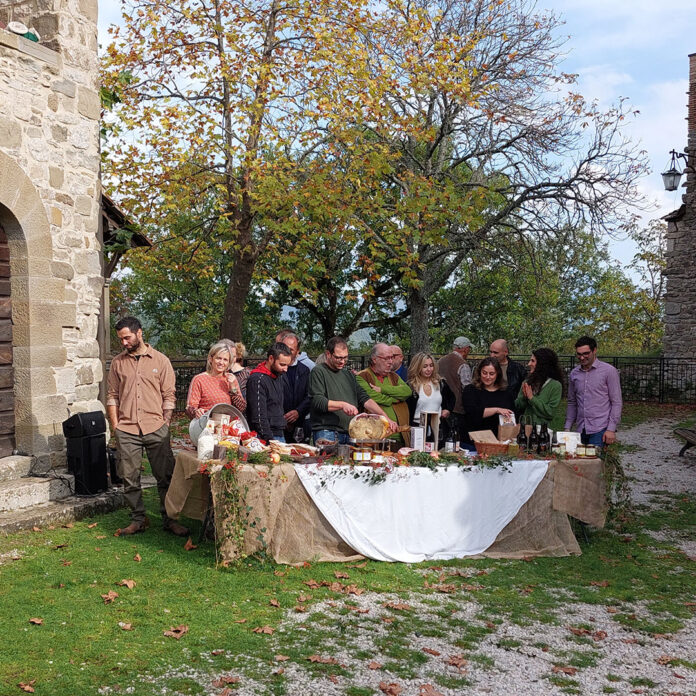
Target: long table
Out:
[285,510]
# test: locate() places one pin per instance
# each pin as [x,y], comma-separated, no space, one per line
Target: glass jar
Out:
[362,454]
[590,451]
[580,450]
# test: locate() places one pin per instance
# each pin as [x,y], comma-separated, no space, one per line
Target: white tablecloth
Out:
[417,514]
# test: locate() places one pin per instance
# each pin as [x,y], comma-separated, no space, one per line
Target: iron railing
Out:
[653,379]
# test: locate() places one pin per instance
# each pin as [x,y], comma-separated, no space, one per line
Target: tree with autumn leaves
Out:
[403,135]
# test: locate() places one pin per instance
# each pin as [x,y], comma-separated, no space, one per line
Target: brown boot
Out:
[175,528]
[134,527]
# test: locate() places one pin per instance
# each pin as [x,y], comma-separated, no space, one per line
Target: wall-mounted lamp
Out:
[671,177]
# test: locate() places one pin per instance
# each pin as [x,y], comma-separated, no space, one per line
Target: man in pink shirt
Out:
[594,396]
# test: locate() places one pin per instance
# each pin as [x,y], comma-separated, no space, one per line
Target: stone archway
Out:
[39,313]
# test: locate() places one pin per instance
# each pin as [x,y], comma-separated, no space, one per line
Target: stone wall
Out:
[680,296]
[49,209]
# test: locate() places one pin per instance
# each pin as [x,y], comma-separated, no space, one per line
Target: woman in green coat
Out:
[541,392]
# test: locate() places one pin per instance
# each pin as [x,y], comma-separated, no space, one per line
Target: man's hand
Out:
[167,415]
[199,412]
[349,409]
[393,426]
[445,413]
[376,388]
[609,437]
[291,416]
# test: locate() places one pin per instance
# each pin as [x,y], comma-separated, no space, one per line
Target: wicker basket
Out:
[484,448]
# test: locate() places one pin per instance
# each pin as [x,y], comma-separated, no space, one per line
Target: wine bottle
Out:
[533,442]
[543,440]
[522,435]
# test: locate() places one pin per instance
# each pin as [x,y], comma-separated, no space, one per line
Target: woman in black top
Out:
[484,400]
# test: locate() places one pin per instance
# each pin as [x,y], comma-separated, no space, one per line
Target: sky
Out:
[636,49]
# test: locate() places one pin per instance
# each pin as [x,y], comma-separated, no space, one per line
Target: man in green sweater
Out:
[336,396]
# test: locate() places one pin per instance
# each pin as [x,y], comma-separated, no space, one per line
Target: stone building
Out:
[680,297]
[51,262]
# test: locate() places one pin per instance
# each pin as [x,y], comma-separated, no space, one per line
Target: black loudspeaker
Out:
[87,463]
[82,424]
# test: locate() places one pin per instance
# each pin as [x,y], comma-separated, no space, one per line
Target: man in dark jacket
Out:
[265,394]
[513,372]
[296,401]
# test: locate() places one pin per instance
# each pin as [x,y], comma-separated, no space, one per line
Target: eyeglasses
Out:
[339,358]
[384,357]
[584,354]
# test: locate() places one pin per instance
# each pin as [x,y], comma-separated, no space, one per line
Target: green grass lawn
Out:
[81,644]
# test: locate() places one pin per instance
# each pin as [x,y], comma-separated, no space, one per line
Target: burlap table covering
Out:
[280,517]
[189,491]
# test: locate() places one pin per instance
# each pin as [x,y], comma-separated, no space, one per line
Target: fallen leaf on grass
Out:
[189,545]
[66,563]
[374,665]
[268,630]
[444,587]
[357,610]
[100,536]
[125,626]
[176,631]
[226,692]
[313,584]
[300,608]
[137,558]
[69,525]
[275,603]
[35,529]
[430,651]
[458,661]
[391,688]
[599,635]
[600,583]
[341,576]
[664,659]
[92,526]
[474,588]
[353,589]
[27,686]
[333,678]
[388,619]
[279,671]
[579,631]
[36,621]
[303,597]
[282,658]
[336,587]
[324,660]
[215,653]
[358,565]
[612,610]
[240,621]
[279,573]
[224,680]
[109,597]
[563,670]
[399,606]
[630,640]
[130,584]
[428,690]
[60,546]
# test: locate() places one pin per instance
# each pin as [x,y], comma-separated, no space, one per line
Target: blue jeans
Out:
[331,436]
[593,438]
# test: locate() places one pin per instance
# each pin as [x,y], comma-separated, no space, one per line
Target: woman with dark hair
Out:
[541,392]
[484,400]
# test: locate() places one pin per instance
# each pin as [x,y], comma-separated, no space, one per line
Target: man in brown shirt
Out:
[140,401]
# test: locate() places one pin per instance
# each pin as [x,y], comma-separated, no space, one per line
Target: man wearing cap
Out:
[449,367]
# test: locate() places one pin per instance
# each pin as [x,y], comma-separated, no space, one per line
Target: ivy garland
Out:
[618,491]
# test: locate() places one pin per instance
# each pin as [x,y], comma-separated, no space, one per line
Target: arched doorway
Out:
[7,416]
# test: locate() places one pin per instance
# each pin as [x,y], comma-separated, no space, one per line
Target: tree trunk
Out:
[420,341]
[237,293]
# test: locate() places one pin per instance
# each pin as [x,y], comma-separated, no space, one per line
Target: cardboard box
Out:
[417,437]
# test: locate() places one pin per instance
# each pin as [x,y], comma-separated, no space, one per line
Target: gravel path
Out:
[511,659]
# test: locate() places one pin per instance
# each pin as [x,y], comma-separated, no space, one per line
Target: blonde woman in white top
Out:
[431,394]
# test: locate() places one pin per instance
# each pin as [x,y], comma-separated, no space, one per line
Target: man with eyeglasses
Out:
[386,388]
[594,396]
[336,396]
[398,362]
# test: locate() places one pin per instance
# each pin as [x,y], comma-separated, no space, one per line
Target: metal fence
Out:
[658,380]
